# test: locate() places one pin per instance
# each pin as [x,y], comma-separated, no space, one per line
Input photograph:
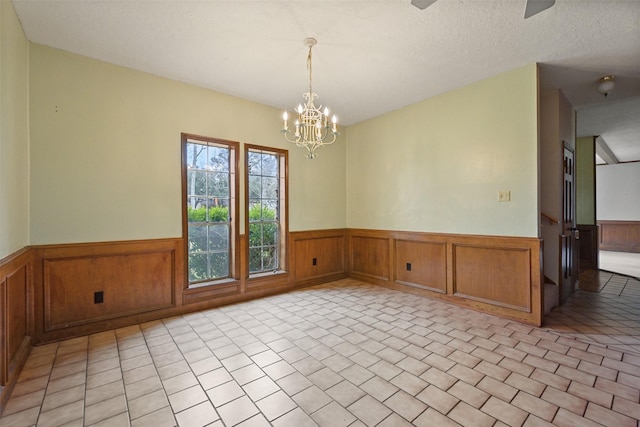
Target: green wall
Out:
[106,159]
[105,156]
[438,165]
[14,142]
[585,180]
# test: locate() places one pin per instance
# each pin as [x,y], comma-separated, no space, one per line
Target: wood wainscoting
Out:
[588,244]
[620,236]
[92,287]
[53,292]
[498,275]
[15,309]
[79,289]
[318,256]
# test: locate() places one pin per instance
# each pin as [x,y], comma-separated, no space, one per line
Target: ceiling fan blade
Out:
[537,6]
[422,4]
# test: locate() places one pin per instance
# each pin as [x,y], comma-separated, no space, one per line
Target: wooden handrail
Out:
[549,218]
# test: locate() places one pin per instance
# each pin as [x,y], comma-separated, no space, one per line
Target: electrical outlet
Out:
[408,266]
[504,196]
[315,261]
[98,297]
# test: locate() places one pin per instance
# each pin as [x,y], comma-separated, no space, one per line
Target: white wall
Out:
[618,192]
[14,146]
[438,165]
[105,152]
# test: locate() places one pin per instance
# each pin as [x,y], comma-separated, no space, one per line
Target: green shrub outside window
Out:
[209,233]
[263,175]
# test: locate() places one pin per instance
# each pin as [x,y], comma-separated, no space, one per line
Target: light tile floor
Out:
[609,283]
[606,310]
[340,354]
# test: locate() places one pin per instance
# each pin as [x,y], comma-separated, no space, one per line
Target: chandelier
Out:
[312,127]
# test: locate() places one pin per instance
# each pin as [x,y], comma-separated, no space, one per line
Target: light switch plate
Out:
[504,196]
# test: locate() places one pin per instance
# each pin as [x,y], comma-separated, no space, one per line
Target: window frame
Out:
[234,210]
[283,202]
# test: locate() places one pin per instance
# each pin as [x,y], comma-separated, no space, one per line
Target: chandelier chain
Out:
[310,68]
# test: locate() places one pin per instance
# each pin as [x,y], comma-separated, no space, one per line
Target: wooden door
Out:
[568,239]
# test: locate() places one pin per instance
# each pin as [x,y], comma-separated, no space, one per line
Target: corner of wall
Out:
[14,151]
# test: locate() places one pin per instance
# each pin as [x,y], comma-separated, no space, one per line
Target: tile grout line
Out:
[442,320]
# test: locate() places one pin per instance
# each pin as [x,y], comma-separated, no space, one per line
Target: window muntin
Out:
[266,209]
[210,207]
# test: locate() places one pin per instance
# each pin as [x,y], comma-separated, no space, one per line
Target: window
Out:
[266,181]
[210,208]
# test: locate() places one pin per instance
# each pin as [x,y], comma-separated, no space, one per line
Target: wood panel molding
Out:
[15,326]
[369,255]
[205,293]
[621,236]
[421,263]
[498,275]
[146,280]
[134,277]
[50,289]
[493,274]
[318,256]
[84,289]
[588,246]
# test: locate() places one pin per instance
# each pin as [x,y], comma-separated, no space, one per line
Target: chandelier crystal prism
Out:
[312,127]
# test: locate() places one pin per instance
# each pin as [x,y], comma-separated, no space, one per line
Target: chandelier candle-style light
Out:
[312,127]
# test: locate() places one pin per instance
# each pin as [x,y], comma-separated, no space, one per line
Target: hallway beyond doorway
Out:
[605,310]
[609,283]
[621,262]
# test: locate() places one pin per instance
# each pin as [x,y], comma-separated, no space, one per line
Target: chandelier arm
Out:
[304,140]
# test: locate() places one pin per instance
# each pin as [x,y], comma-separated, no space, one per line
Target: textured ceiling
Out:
[617,123]
[372,57]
